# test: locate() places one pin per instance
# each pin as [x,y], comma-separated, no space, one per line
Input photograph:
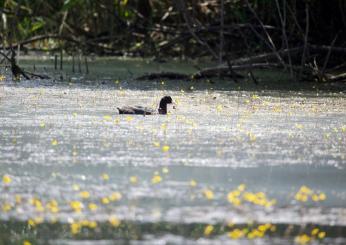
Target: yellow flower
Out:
[38,220]
[208,194]
[6,179]
[321,235]
[105,200]
[343,128]
[322,196]
[75,228]
[241,187]
[26,242]
[236,234]
[129,118]
[31,223]
[92,206]
[156,179]
[305,189]
[115,196]
[77,206]
[219,108]
[315,231]
[299,126]
[255,97]
[208,230]
[105,177]
[193,183]
[18,199]
[107,118]
[52,206]
[252,137]
[315,197]
[6,207]
[302,239]
[84,194]
[116,121]
[165,148]
[54,142]
[114,221]
[92,224]
[134,179]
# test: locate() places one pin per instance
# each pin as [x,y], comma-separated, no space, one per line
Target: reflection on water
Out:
[222,167]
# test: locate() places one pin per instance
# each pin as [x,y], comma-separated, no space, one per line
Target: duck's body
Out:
[140,110]
[136,110]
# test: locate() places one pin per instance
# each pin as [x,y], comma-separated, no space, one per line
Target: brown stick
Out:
[267,56]
[306,34]
[328,56]
[222,23]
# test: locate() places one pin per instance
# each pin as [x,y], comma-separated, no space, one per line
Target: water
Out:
[220,165]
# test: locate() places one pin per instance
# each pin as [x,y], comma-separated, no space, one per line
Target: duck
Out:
[140,110]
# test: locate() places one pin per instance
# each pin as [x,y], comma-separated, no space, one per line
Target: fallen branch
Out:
[213,71]
[17,71]
[210,72]
[267,56]
[336,78]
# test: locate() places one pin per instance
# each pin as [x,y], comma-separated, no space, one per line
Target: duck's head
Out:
[163,104]
[166,100]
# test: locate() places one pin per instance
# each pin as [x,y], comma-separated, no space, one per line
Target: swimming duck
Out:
[145,110]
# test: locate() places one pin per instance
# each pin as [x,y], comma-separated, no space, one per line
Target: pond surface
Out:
[225,166]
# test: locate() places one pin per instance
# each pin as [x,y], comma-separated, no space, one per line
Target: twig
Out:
[267,56]
[86,65]
[306,35]
[328,56]
[222,23]
[283,30]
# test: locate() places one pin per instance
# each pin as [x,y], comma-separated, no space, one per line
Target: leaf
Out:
[38,24]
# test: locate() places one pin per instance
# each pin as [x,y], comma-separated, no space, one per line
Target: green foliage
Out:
[29,26]
[123,24]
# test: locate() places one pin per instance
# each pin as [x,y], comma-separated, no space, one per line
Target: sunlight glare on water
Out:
[68,155]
